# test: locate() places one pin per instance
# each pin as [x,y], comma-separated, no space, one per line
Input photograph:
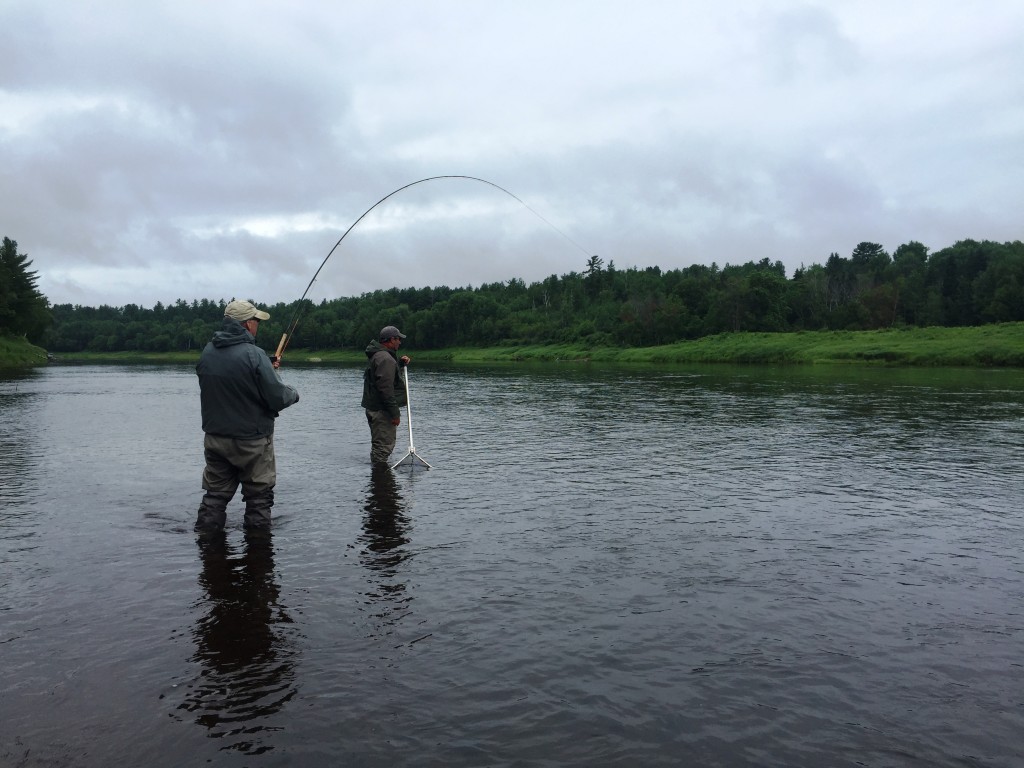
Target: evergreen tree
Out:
[24,311]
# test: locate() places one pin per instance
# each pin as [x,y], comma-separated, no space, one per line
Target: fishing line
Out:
[286,336]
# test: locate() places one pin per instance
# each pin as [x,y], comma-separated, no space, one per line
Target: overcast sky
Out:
[153,151]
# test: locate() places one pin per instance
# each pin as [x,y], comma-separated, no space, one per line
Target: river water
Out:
[605,567]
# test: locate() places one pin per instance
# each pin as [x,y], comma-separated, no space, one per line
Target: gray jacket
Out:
[240,392]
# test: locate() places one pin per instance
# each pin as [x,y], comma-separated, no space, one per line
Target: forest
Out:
[969,283]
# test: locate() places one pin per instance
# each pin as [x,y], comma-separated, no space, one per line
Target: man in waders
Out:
[384,392]
[241,394]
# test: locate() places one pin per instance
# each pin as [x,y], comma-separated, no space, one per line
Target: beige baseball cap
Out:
[243,310]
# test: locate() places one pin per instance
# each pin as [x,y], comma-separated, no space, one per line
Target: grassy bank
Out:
[1000,345]
[16,352]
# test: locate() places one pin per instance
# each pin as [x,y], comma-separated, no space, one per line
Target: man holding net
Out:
[383,392]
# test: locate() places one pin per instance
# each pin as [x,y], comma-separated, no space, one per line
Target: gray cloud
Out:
[157,151]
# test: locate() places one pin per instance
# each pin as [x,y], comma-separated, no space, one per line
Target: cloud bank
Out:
[158,151]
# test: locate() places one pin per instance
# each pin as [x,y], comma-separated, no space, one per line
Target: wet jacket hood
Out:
[374,347]
[231,332]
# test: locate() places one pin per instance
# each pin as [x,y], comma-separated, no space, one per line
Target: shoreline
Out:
[987,346]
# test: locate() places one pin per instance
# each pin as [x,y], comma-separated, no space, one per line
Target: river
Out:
[706,566]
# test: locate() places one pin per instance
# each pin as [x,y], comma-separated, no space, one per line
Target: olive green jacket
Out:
[383,386]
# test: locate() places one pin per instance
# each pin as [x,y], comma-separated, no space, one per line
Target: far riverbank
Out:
[987,346]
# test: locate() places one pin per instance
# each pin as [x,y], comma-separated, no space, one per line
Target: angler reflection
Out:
[247,656]
[384,540]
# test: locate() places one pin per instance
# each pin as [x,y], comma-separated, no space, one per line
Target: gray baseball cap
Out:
[390,332]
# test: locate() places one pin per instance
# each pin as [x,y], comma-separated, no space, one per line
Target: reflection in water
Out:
[385,534]
[19,408]
[248,663]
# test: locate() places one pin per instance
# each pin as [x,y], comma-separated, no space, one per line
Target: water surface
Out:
[606,567]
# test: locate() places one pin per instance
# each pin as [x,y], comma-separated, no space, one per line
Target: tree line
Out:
[969,283]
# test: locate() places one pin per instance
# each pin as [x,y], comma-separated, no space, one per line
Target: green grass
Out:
[1000,345]
[16,352]
[984,346]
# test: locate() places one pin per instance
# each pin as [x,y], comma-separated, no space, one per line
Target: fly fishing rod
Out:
[287,335]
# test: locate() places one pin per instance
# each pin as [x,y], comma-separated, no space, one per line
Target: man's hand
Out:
[396,421]
[405,359]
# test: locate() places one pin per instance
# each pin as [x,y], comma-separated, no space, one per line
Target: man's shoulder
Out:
[232,354]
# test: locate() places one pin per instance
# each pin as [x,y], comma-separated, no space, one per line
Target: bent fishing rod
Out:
[287,335]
